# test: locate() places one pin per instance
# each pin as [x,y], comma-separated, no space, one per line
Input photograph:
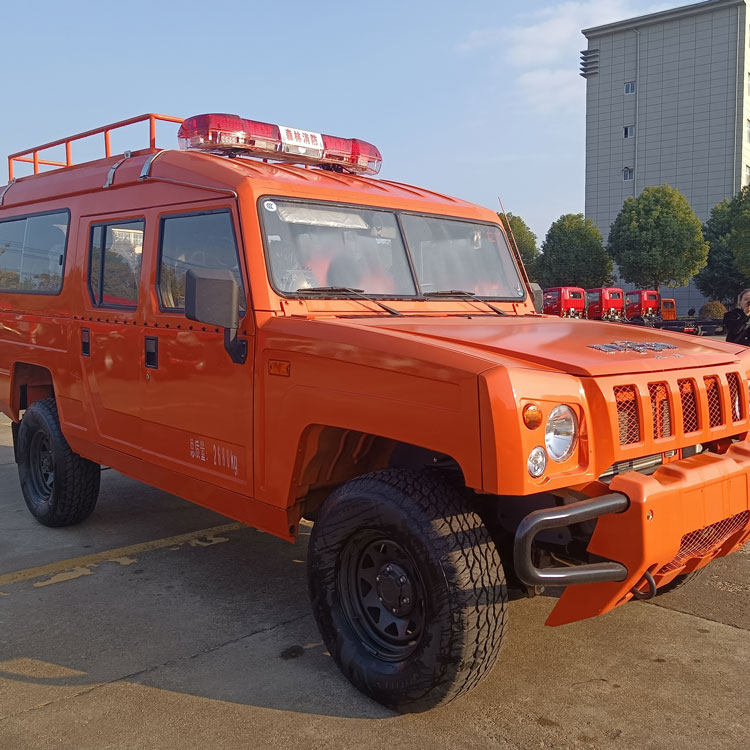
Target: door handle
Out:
[85,342]
[152,352]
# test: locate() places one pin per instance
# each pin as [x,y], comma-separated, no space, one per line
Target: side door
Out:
[196,403]
[108,333]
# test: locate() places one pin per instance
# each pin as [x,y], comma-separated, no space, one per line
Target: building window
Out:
[630,87]
[747,174]
[748,84]
[628,131]
[628,173]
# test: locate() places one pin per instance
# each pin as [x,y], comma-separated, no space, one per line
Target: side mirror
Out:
[538,296]
[213,297]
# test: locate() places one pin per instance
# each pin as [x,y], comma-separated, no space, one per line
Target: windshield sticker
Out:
[640,347]
[269,206]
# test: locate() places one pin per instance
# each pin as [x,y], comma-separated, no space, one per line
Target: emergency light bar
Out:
[219,133]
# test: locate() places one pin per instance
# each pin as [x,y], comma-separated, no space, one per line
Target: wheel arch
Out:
[29,382]
[330,456]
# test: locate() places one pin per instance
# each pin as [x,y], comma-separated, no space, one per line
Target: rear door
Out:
[108,333]
[196,403]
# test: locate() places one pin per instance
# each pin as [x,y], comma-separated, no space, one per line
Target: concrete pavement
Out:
[157,624]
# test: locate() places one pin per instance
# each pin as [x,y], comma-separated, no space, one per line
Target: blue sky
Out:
[475,99]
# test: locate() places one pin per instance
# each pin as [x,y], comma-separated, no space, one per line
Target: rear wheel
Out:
[60,487]
[407,588]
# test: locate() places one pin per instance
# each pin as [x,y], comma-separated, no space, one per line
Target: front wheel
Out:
[60,487]
[407,588]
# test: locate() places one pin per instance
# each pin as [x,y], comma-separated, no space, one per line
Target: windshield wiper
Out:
[351,292]
[464,293]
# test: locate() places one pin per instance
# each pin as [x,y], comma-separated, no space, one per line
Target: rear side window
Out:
[32,253]
[195,241]
[115,252]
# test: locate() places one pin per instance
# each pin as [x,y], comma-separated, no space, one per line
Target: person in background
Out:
[691,312]
[737,322]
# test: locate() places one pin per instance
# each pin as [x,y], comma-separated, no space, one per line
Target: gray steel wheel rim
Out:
[387,635]
[42,465]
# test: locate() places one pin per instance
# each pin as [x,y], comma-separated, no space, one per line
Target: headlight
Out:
[537,461]
[561,433]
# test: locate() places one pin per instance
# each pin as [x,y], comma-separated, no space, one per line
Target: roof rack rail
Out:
[31,155]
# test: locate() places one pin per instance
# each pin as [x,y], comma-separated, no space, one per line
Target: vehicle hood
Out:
[564,344]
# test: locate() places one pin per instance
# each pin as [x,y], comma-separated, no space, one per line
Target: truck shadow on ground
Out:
[225,618]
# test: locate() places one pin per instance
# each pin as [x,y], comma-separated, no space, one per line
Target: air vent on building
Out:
[589,62]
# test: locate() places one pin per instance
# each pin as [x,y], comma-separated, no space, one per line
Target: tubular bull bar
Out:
[555,518]
[649,529]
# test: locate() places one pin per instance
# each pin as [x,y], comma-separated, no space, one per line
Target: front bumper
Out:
[674,521]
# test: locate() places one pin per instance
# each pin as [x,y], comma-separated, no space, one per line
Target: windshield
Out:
[313,245]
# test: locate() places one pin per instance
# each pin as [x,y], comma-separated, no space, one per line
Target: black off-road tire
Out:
[409,537]
[678,582]
[60,487]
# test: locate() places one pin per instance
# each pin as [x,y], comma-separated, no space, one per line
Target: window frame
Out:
[58,292]
[398,213]
[628,174]
[628,132]
[244,289]
[103,225]
[629,83]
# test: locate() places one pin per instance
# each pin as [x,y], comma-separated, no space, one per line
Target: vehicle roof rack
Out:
[32,155]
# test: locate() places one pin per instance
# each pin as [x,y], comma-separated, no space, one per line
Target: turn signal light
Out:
[532,416]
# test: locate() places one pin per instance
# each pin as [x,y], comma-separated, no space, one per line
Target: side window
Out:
[115,252]
[32,253]
[194,241]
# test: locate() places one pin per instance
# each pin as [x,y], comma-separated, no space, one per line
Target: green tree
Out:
[739,235]
[657,239]
[525,239]
[721,279]
[573,255]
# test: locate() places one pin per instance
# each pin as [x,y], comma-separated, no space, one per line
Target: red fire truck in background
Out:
[606,303]
[642,303]
[565,301]
[646,307]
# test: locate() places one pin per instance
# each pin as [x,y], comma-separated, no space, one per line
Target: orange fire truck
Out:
[256,323]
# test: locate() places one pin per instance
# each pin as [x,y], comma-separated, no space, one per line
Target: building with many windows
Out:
[668,102]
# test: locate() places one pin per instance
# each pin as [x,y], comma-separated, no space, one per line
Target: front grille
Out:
[707,540]
[660,410]
[735,399]
[689,403]
[627,414]
[722,406]
[713,393]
